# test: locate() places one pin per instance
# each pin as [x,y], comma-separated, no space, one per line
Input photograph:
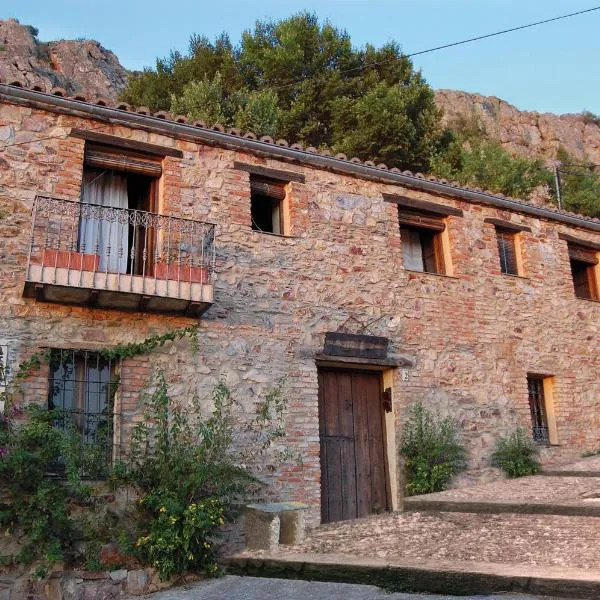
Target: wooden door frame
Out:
[386,373]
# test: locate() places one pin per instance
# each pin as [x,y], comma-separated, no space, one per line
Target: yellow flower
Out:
[163,509]
[190,557]
[206,545]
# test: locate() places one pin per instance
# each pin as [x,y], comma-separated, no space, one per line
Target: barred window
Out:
[537,407]
[507,249]
[82,386]
[3,375]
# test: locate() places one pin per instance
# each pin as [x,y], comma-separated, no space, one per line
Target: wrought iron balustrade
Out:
[144,258]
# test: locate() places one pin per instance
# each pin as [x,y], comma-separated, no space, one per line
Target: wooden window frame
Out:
[502,235]
[588,265]
[131,162]
[275,190]
[433,226]
[547,384]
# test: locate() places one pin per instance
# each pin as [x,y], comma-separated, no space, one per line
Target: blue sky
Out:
[551,68]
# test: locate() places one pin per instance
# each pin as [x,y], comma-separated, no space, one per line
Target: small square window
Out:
[421,249]
[267,199]
[583,271]
[508,251]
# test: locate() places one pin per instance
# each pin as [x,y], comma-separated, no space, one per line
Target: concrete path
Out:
[258,588]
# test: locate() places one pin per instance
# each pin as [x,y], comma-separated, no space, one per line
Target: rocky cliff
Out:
[527,133]
[87,67]
[76,65]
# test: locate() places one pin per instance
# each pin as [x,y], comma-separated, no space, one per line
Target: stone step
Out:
[444,577]
[588,507]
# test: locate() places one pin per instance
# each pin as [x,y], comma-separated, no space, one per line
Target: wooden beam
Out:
[579,242]
[276,174]
[128,144]
[508,225]
[423,205]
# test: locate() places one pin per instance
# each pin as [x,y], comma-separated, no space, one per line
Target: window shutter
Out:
[584,255]
[267,187]
[508,252]
[115,159]
[419,219]
[412,250]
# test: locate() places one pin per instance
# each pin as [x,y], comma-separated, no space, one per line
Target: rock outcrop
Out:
[527,133]
[78,66]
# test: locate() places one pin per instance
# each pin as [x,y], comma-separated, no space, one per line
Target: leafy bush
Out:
[191,475]
[35,504]
[432,450]
[516,454]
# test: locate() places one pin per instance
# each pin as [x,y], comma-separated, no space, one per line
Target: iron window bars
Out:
[81,393]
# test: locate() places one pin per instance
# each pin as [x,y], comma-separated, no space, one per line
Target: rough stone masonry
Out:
[467,340]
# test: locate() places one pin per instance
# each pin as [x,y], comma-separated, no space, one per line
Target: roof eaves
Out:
[178,127]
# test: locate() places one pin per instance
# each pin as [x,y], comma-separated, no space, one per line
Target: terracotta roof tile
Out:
[164,115]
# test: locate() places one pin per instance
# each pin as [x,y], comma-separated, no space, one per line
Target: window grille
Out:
[537,407]
[3,374]
[81,391]
[507,249]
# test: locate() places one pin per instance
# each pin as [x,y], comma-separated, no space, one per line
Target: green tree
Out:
[580,185]
[302,80]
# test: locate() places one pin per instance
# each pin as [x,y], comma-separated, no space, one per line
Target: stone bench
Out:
[268,525]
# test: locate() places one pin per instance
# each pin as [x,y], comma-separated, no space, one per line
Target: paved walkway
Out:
[258,588]
[506,538]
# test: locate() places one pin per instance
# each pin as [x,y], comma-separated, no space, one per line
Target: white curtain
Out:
[106,236]
[412,250]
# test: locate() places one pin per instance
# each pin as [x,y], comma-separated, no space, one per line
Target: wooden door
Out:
[353,459]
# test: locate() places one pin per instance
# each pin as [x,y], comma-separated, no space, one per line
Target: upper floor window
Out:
[422,243]
[267,198]
[583,263]
[508,251]
[423,233]
[127,182]
[422,250]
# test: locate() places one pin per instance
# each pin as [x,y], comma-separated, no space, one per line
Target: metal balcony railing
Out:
[118,257]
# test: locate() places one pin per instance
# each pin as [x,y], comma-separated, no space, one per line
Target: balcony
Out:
[119,258]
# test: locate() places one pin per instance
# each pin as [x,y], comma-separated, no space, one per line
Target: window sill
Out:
[587,299]
[443,275]
[275,235]
[511,276]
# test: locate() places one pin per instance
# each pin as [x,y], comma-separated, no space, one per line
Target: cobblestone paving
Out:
[508,538]
[591,464]
[257,588]
[525,489]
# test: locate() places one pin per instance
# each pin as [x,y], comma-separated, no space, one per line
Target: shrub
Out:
[192,474]
[432,450]
[516,454]
[36,505]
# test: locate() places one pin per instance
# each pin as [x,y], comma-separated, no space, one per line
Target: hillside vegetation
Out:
[303,80]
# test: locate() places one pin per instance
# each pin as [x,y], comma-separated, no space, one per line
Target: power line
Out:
[450,45]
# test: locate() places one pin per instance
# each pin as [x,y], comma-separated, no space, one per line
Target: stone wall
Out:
[473,337]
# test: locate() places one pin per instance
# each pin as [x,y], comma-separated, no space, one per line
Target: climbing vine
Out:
[36,360]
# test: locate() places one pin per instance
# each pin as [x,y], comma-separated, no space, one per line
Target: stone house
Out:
[364,287]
